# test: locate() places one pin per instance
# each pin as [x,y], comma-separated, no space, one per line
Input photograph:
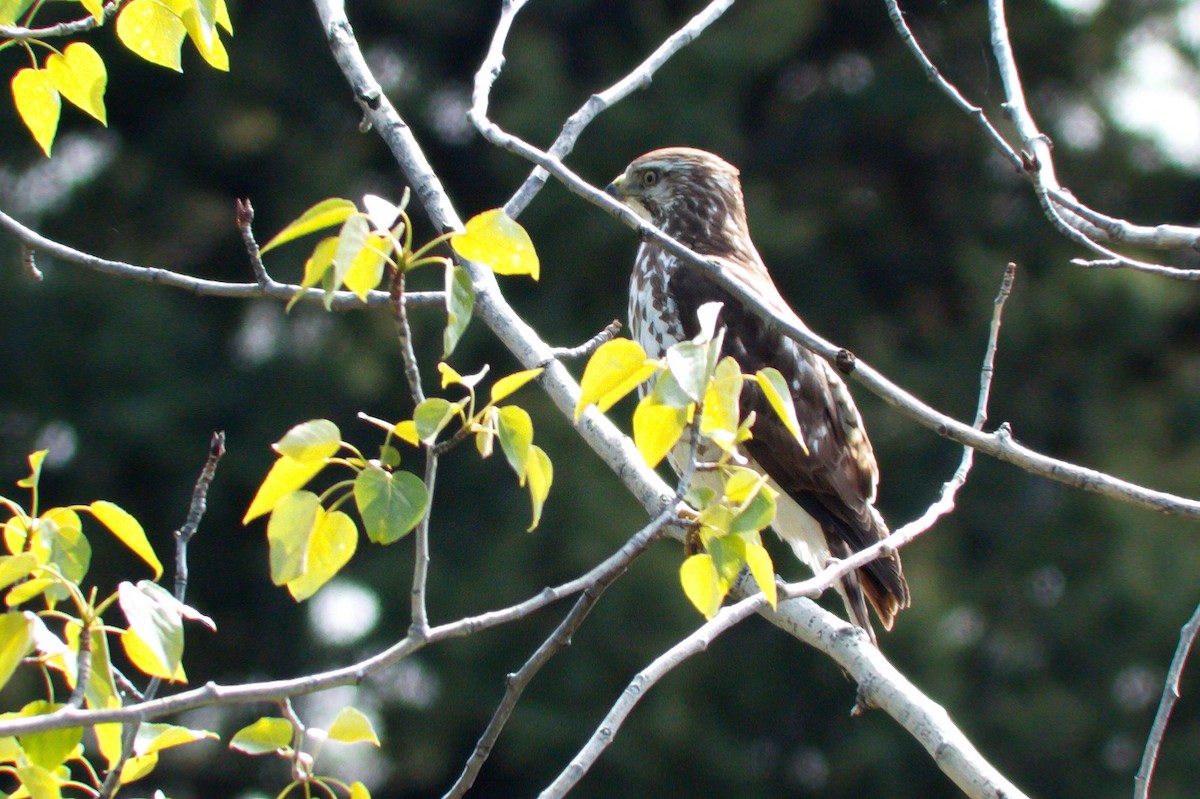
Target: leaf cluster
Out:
[152,29]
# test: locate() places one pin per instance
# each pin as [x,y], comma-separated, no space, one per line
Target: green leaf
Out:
[11,10]
[326,213]
[79,75]
[152,31]
[38,104]
[775,389]
[39,783]
[432,415]
[351,727]
[515,429]
[48,750]
[314,440]
[16,641]
[509,384]
[496,240]
[265,736]
[539,473]
[756,514]
[657,428]
[391,504]
[719,416]
[157,627]
[701,584]
[28,590]
[330,547]
[35,469]
[288,532]
[460,304]
[128,530]
[286,476]
[615,368]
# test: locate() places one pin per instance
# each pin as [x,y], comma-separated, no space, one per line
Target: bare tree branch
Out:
[271,289]
[63,28]
[1170,695]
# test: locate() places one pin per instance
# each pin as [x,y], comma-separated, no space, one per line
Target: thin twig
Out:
[1170,695]
[419,626]
[83,667]
[196,508]
[591,345]
[245,223]
[72,28]
[272,289]
[725,619]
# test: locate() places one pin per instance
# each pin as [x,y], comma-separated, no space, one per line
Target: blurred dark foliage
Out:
[1043,618]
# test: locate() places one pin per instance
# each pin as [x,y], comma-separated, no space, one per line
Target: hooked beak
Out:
[616,188]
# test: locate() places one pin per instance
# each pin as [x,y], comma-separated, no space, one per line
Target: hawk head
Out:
[689,194]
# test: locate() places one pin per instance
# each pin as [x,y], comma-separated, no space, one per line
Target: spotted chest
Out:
[654,320]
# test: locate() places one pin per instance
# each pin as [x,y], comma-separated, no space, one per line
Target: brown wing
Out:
[835,482]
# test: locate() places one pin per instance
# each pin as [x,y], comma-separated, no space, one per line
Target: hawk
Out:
[825,507]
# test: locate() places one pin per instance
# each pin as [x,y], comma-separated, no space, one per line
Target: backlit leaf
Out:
[352,238]
[16,641]
[539,473]
[313,440]
[48,749]
[431,416]
[351,727]
[152,31]
[657,428]
[35,469]
[128,530]
[15,567]
[79,75]
[691,365]
[359,791]
[263,737]
[775,389]
[391,504]
[719,415]
[615,368]
[366,270]
[38,104]
[701,584]
[332,544]
[11,10]
[38,782]
[515,430]
[156,626]
[153,738]
[286,475]
[496,240]
[288,531]
[326,213]
[759,561]
[505,386]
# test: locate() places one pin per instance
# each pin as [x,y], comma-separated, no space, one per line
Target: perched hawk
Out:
[825,507]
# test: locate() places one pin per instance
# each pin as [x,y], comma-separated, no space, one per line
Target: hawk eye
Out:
[650,177]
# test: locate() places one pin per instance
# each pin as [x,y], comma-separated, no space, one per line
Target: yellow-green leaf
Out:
[16,641]
[48,749]
[539,473]
[719,415]
[657,428]
[406,431]
[265,736]
[615,368]
[79,75]
[352,237]
[152,31]
[314,440]
[137,767]
[366,270]
[95,8]
[515,429]
[359,791]
[332,544]
[11,10]
[39,783]
[701,584]
[432,415]
[286,475]
[156,627]
[460,304]
[38,104]
[199,19]
[153,738]
[326,213]
[759,561]
[128,530]
[15,567]
[390,503]
[288,532]
[496,240]
[35,469]
[505,386]
[775,389]
[351,727]
[315,268]
[28,590]
[450,375]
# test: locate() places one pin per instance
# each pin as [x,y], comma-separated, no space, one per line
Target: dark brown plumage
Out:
[826,504]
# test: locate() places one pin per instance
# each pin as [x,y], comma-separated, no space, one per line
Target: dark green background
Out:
[1043,618]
